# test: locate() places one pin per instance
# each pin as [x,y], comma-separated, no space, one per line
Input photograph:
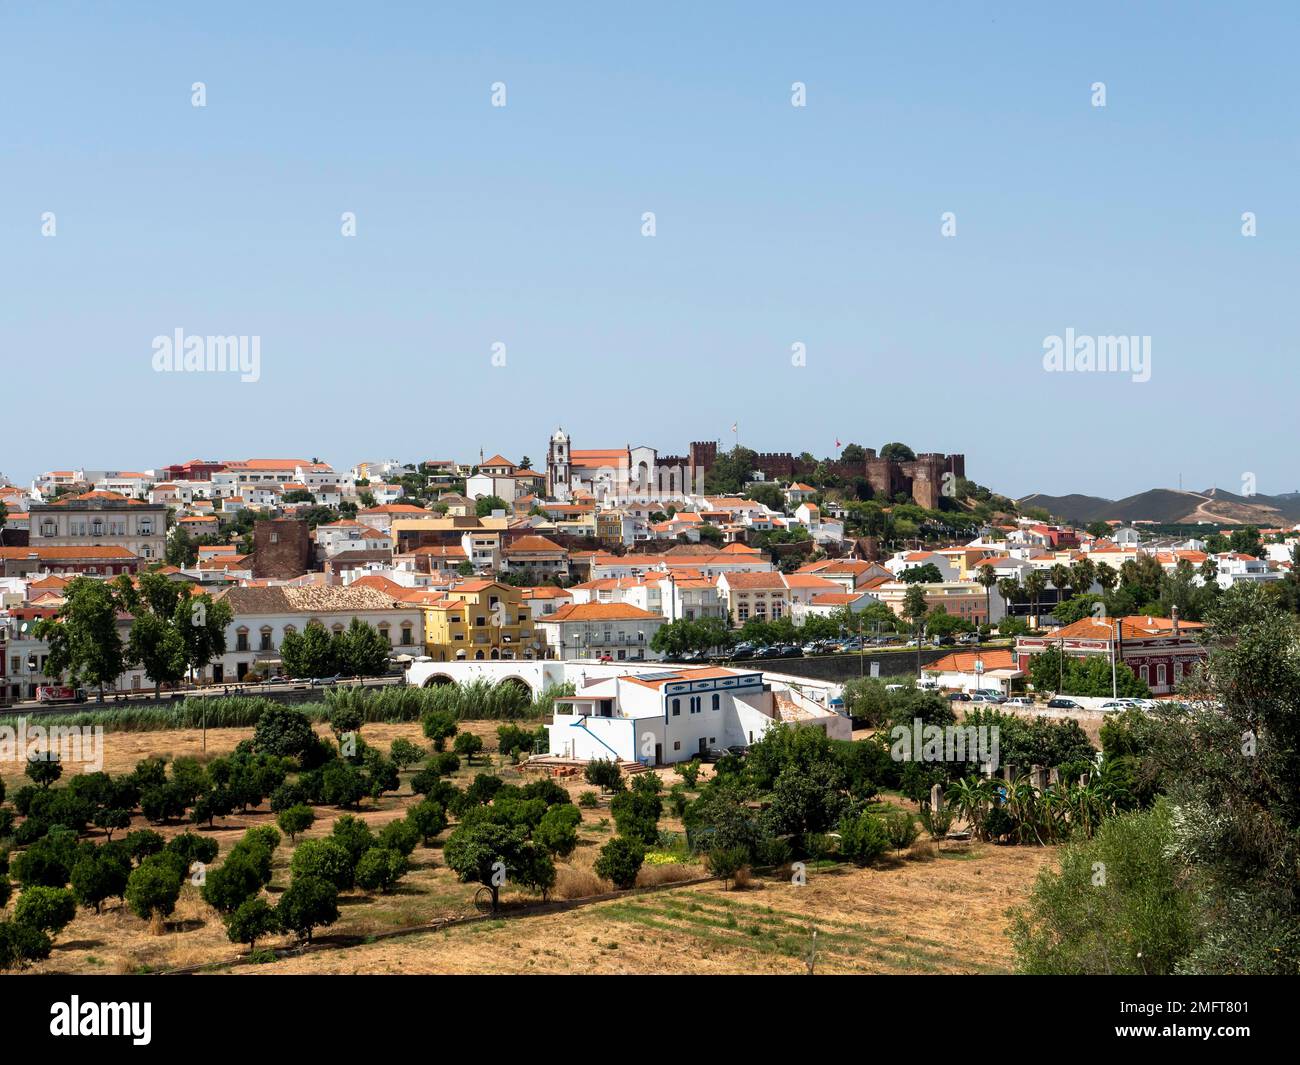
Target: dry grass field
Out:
[933,910]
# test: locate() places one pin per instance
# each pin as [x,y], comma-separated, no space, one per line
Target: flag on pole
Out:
[735,426]
[837,443]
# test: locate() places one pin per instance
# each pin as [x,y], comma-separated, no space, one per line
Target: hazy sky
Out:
[775,225]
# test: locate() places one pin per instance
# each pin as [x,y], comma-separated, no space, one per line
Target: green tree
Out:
[153,888]
[468,745]
[380,868]
[46,909]
[620,861]
[1117,906]
[324,859]
[296,819]
[493,854]
[307,904]
[82,636]
[254,919]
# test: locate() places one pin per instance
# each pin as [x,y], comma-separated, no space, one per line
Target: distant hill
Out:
[1172,506]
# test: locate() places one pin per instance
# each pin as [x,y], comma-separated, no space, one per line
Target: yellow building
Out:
[481,621]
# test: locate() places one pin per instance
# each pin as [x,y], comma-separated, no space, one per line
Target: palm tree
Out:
[1107,577]
[1082,575]
[988,578]
[1059,575]
[1035,583]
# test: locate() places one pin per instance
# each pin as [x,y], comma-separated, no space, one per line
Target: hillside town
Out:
[618,555]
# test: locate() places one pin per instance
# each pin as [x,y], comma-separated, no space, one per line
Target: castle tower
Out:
[557,465]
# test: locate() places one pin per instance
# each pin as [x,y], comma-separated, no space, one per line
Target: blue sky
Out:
[775,225]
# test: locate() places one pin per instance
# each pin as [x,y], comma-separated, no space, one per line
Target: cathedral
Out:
[605,474]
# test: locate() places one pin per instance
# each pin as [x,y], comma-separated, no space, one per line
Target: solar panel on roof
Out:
[658,676]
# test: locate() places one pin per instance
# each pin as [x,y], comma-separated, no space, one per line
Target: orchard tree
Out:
[308,903]
[254,919]
[494,854]
[153,888]
[404,753]
[380,868]
[296,819]
[469,745]
[620,861]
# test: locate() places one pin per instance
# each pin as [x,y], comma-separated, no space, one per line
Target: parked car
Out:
[978,697]
[1063,704]
[738,749]
[993,693]
[1019,700]
[739,654]
[791,650]
[1113,705]
[769,652]
[959,697]
[712,754]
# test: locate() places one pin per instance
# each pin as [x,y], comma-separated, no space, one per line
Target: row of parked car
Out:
[1059,702]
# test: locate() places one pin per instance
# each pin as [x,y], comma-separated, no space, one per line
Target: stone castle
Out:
[921,478]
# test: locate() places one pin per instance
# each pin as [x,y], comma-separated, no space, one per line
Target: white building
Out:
[676,715]
[617,631]
[264,615]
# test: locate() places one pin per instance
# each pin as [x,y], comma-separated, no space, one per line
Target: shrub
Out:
[295,819]
[620,860]
[587,799]
[381,867]
[324,859]
[726,862]
[863,839]
[937,822]
[446,762]
[689,772]
[47,909]
[20,944]
[900,829]
[1141,920]
[308,903]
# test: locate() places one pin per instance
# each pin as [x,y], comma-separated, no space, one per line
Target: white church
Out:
[610,476]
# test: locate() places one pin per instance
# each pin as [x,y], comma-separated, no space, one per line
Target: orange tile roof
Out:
[601,612]
[88,551]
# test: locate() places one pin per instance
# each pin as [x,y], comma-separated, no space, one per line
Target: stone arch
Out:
[437,680]
[518,682]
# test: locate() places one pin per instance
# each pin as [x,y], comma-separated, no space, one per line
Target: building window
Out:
[406,635]
[677,707]
[241,640]
[266,640]
[677,745]
[717,701]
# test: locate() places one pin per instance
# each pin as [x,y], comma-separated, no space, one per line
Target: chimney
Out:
[1173,614]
